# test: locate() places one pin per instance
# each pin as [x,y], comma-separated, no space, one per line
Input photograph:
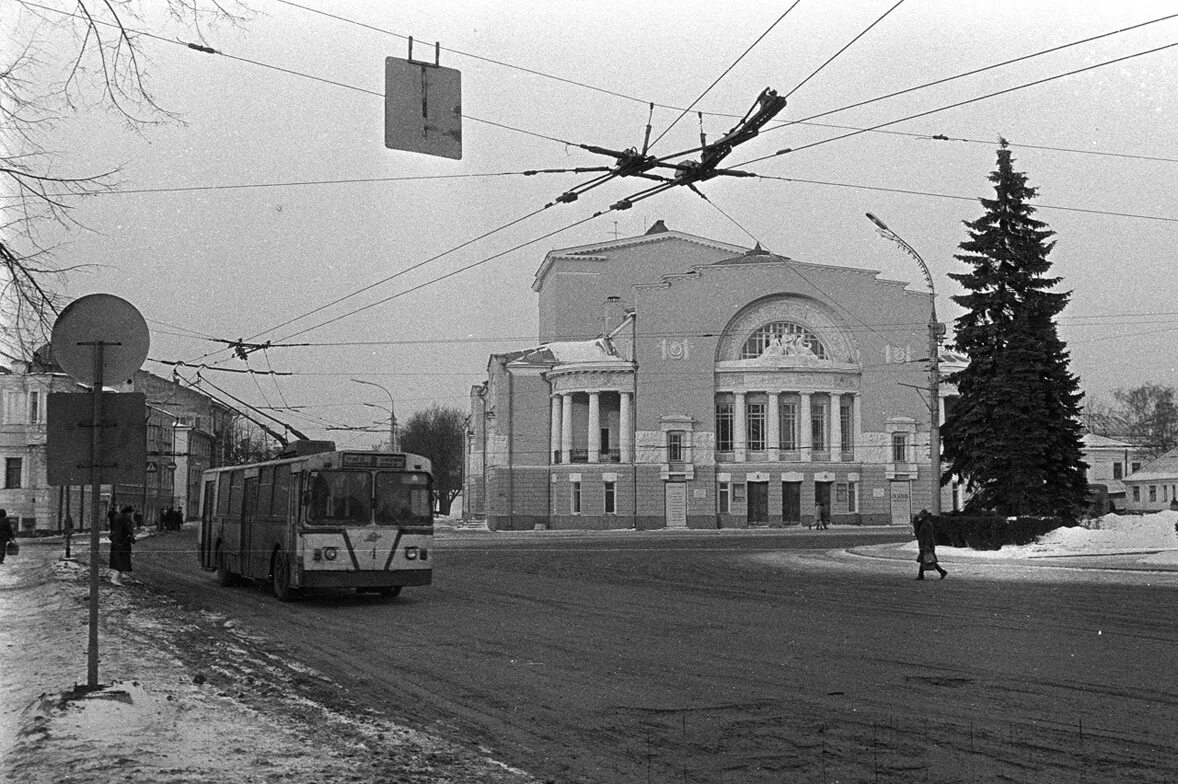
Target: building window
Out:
[737,497]
[1136,467]
[725,497]
[611,496]
[1136,493]
[782,338]
[675,450]
[846,427]
[852,493]
[818,426]
[756,426]
[1153,492]
[1118,470]
[35,407]
[576,497]
[899,447]
[724,420]
[789,425]
[12,471]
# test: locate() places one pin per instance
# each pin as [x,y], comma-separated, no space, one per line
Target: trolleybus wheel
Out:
[225,578]
[389,591]
[280,579]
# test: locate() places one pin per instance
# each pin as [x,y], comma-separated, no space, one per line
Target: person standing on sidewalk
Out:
[926,539]
[122,536]
[6,534]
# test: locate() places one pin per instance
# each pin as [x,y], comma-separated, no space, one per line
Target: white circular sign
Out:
[100,320]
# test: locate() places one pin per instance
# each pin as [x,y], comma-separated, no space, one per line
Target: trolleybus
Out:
[320,518]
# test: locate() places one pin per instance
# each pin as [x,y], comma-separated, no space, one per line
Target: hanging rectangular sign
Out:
[422,108]
[69,431]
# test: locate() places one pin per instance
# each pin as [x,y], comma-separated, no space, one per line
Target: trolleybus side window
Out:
[402,498]
[281,490]
[235,494]
[265,491]
[223,493]
[340,495]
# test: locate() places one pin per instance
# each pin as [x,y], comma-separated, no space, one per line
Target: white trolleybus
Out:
[320,518]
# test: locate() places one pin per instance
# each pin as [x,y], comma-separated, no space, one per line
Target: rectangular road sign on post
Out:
[124,437]
[422,108]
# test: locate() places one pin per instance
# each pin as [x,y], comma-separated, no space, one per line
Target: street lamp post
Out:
[935,331]
[393,445]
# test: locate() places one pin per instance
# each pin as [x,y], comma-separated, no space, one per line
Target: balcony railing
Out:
[582,456]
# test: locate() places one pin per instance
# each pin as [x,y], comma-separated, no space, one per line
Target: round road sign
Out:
[103,319]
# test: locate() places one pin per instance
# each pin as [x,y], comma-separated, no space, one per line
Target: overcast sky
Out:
[206,240]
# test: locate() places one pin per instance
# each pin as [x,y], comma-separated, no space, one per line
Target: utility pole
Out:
[936,330]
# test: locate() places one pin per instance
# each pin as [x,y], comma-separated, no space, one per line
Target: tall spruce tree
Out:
[1014,434]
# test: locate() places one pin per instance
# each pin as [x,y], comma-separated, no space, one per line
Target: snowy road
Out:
[741,658]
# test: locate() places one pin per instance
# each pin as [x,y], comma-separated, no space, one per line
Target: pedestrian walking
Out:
[926,540]
[122,536]
[824,515]
[6,534]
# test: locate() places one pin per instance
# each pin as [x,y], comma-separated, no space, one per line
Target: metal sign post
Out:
[96,337]
[95,491]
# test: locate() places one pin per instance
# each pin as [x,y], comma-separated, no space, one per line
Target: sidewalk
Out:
[184,697]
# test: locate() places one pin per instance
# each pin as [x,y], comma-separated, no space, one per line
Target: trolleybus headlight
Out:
[410,553]
[317,555]
[329,553]
[424,554]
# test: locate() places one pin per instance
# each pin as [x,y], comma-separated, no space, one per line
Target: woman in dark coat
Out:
[926,538]
[122,535]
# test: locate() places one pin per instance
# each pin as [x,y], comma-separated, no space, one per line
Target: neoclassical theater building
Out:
[682,382]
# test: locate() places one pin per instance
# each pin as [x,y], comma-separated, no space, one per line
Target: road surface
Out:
[739,657]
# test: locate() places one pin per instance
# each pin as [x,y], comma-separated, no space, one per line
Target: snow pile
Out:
[1109,535]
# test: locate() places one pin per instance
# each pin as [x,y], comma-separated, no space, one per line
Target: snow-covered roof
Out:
[569,352]
[1164,467]
[1094,441]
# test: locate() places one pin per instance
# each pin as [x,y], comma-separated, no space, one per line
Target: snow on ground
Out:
[1151,536]
[186,697]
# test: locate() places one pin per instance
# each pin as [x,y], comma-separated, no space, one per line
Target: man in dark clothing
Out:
[122,535]
[6,534]
[926,539]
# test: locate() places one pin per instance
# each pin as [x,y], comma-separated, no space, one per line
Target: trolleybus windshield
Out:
[401,498]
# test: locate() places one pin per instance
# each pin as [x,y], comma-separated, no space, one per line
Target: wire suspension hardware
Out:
[632,163]
[437,55]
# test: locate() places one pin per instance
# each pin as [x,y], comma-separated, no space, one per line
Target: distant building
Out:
[682,382]
[1109,461]
[186,433]
[1154,486]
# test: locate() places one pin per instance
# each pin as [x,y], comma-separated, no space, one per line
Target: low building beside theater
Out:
[682,382]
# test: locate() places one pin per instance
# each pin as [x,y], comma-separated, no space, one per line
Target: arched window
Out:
[782,338]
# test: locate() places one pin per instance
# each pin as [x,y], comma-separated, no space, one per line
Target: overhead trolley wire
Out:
[447,275]
[726,71]
[289,71]
[958,104]
[909,192]
[846,46]
[975,72]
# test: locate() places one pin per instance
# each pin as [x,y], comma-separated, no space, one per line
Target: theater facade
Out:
[680,382]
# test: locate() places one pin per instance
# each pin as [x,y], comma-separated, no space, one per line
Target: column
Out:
[566,428]
[740,434]
[857,432]
[805,429]
[773,427]
[556,423]
[836,426]
[626,426]
[594,427]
